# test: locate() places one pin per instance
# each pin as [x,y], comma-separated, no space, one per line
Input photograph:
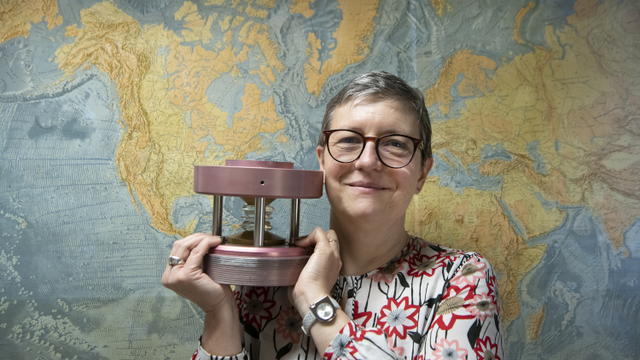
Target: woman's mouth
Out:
[365,185]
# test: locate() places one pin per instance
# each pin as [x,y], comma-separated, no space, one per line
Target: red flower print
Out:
[398,317]
[471,272]
[257,307]
[351,329]
[358,333]
[354,331]
[465,292]
[237,296]
[486,350]
[288,325]
[398,349]
[449,256]
[340,347]
[449,350]
[491,284]
[424,265]
[261,290]
[416,245]
[449,309]
[359,315]
[421,357]
[482,306]
[388,273]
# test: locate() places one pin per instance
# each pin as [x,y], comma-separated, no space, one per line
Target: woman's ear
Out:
[426,167]
[320,153]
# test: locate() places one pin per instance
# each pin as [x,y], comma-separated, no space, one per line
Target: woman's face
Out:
[366,188]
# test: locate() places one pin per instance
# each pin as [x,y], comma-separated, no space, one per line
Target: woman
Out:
[369,291]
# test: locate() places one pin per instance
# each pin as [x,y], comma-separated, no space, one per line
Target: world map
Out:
[107,106]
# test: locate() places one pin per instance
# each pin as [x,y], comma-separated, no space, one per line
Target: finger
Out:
[302,241]
[195,259]
[331,236]
[192,250]
[312,239]
[332,239]
[183,247]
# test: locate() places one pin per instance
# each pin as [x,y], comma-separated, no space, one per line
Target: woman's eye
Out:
[349,140]
[395,144]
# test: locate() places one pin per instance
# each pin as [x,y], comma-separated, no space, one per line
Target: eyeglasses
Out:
[395,151]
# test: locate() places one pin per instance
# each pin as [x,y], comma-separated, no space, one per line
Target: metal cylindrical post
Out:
[294,227]
[259,223]
[217,215]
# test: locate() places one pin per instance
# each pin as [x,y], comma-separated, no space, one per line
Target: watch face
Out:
[325,311]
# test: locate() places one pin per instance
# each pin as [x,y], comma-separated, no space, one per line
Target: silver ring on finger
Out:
[174,260]
[332,240]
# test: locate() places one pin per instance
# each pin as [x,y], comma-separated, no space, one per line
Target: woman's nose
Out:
[369,157]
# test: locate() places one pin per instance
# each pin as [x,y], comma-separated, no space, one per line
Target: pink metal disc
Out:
[260,252]
[263,179]
[256,266]
[259,164]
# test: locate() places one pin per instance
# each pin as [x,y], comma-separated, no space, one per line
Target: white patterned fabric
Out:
[429,302]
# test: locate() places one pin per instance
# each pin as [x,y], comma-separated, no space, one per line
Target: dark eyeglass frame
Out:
[376,140]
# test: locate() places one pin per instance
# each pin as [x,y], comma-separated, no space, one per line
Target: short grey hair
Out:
[381,85]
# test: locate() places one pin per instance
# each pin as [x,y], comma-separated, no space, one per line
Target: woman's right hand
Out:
[222,332]
[189,281]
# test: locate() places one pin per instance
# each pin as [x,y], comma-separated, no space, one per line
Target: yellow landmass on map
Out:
[438,5]
[600,135]
[17,17]
[519,193]
[518,23]
[266,74]
[582,121]
[535,324]
[353,37]
[199,29]
[169,123]
[261,13]
[584,9]
[255,8]
[475,81]
[475,221]
[258,34]
[237,21]
[110,41]
[301,7]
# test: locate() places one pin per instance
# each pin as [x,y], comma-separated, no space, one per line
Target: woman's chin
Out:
[363,212]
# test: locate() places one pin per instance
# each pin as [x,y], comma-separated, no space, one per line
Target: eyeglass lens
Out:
[394,150]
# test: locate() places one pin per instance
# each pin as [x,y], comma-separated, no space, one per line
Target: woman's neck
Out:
[365,246]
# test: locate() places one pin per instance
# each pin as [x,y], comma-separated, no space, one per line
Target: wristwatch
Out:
[323,310]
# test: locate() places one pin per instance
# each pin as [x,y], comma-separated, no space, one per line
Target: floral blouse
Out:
[429,302]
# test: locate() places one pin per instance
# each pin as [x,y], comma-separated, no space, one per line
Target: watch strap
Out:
[310,318]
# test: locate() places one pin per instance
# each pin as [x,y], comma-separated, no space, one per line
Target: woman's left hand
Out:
[321,272]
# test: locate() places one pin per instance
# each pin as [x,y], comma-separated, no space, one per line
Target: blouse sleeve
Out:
[201,354]
[356,342]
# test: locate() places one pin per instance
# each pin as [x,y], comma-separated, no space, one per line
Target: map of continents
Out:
[106,106]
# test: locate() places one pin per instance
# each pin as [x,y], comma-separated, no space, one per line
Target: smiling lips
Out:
[365,185]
